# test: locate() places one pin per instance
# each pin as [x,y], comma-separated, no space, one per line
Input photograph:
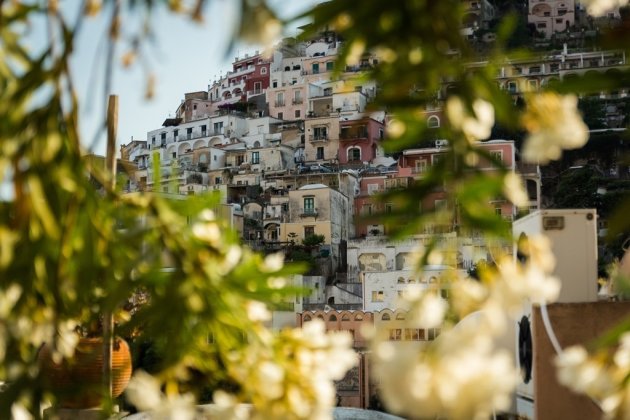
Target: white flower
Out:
[273,263]
[554,124]
[144,392]
[291,376]
[583,374]
[514,190]
[208,232]
[458,376]
[599,8]
[430,311]
[475,127]
[257,311]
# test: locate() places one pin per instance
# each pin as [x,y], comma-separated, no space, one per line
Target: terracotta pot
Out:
[79,380]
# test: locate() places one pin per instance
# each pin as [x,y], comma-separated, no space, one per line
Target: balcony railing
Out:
[308,212]
[279,103]
[318,137]
[297,101]
[353,135]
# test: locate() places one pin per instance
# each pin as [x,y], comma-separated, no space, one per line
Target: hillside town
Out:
[297,155]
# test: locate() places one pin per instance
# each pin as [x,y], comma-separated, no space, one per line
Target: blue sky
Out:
[185,57]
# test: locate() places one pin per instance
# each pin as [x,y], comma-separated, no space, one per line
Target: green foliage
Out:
[314,240]
[72,248]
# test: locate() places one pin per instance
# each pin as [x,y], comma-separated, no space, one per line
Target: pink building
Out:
[366,205]
[416,162]
[358,140]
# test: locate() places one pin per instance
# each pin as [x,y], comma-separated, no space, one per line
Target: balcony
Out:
[278,103]
[308,212]
[297,101]
[314,138]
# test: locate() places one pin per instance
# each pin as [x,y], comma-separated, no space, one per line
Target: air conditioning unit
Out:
[573,236]
[441,143]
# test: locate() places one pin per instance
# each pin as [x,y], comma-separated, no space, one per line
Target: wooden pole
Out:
[108,317]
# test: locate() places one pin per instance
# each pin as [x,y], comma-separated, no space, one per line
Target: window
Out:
[366,210]
[255,157]
[189,133]
[433,333]
[421,166]
[389,208]
[320,133]
[297,113]
[378,296]
[345,317]
[309,205]
[320,153]
[194,107]
[497,211]
[263,70]
[330,65]
[401,279]
[297,97]
[332,318]
[203,130]
[511,87]
[279,98]
[175,134]
[307,318]
[435,159]
[274,84]
[153,140]
[309,231]
[496,154]
[315,68]
[163,137]
[257,87]
[218,127]
[532,84]
[400,316]
[280,116]
[358,317]
[433,122]
[372,189]
[354,154]
[440,205]
[395,334]
[414,334]
[327,91]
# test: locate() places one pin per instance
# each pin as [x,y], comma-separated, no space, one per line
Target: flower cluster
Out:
[475,126]
[601,376]
[601,7]
[554,124]
[289,375]
[144,391]
[460,376]
[463,374]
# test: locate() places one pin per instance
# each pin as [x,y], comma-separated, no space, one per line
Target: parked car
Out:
[316,168]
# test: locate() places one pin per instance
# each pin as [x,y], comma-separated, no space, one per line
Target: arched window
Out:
[401,279]
[412,280]
[400,316]
[358,317]
[320,317]
[307,318]
[433,121]
[385,317]
[345,317]
[332,318]
[354,154]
